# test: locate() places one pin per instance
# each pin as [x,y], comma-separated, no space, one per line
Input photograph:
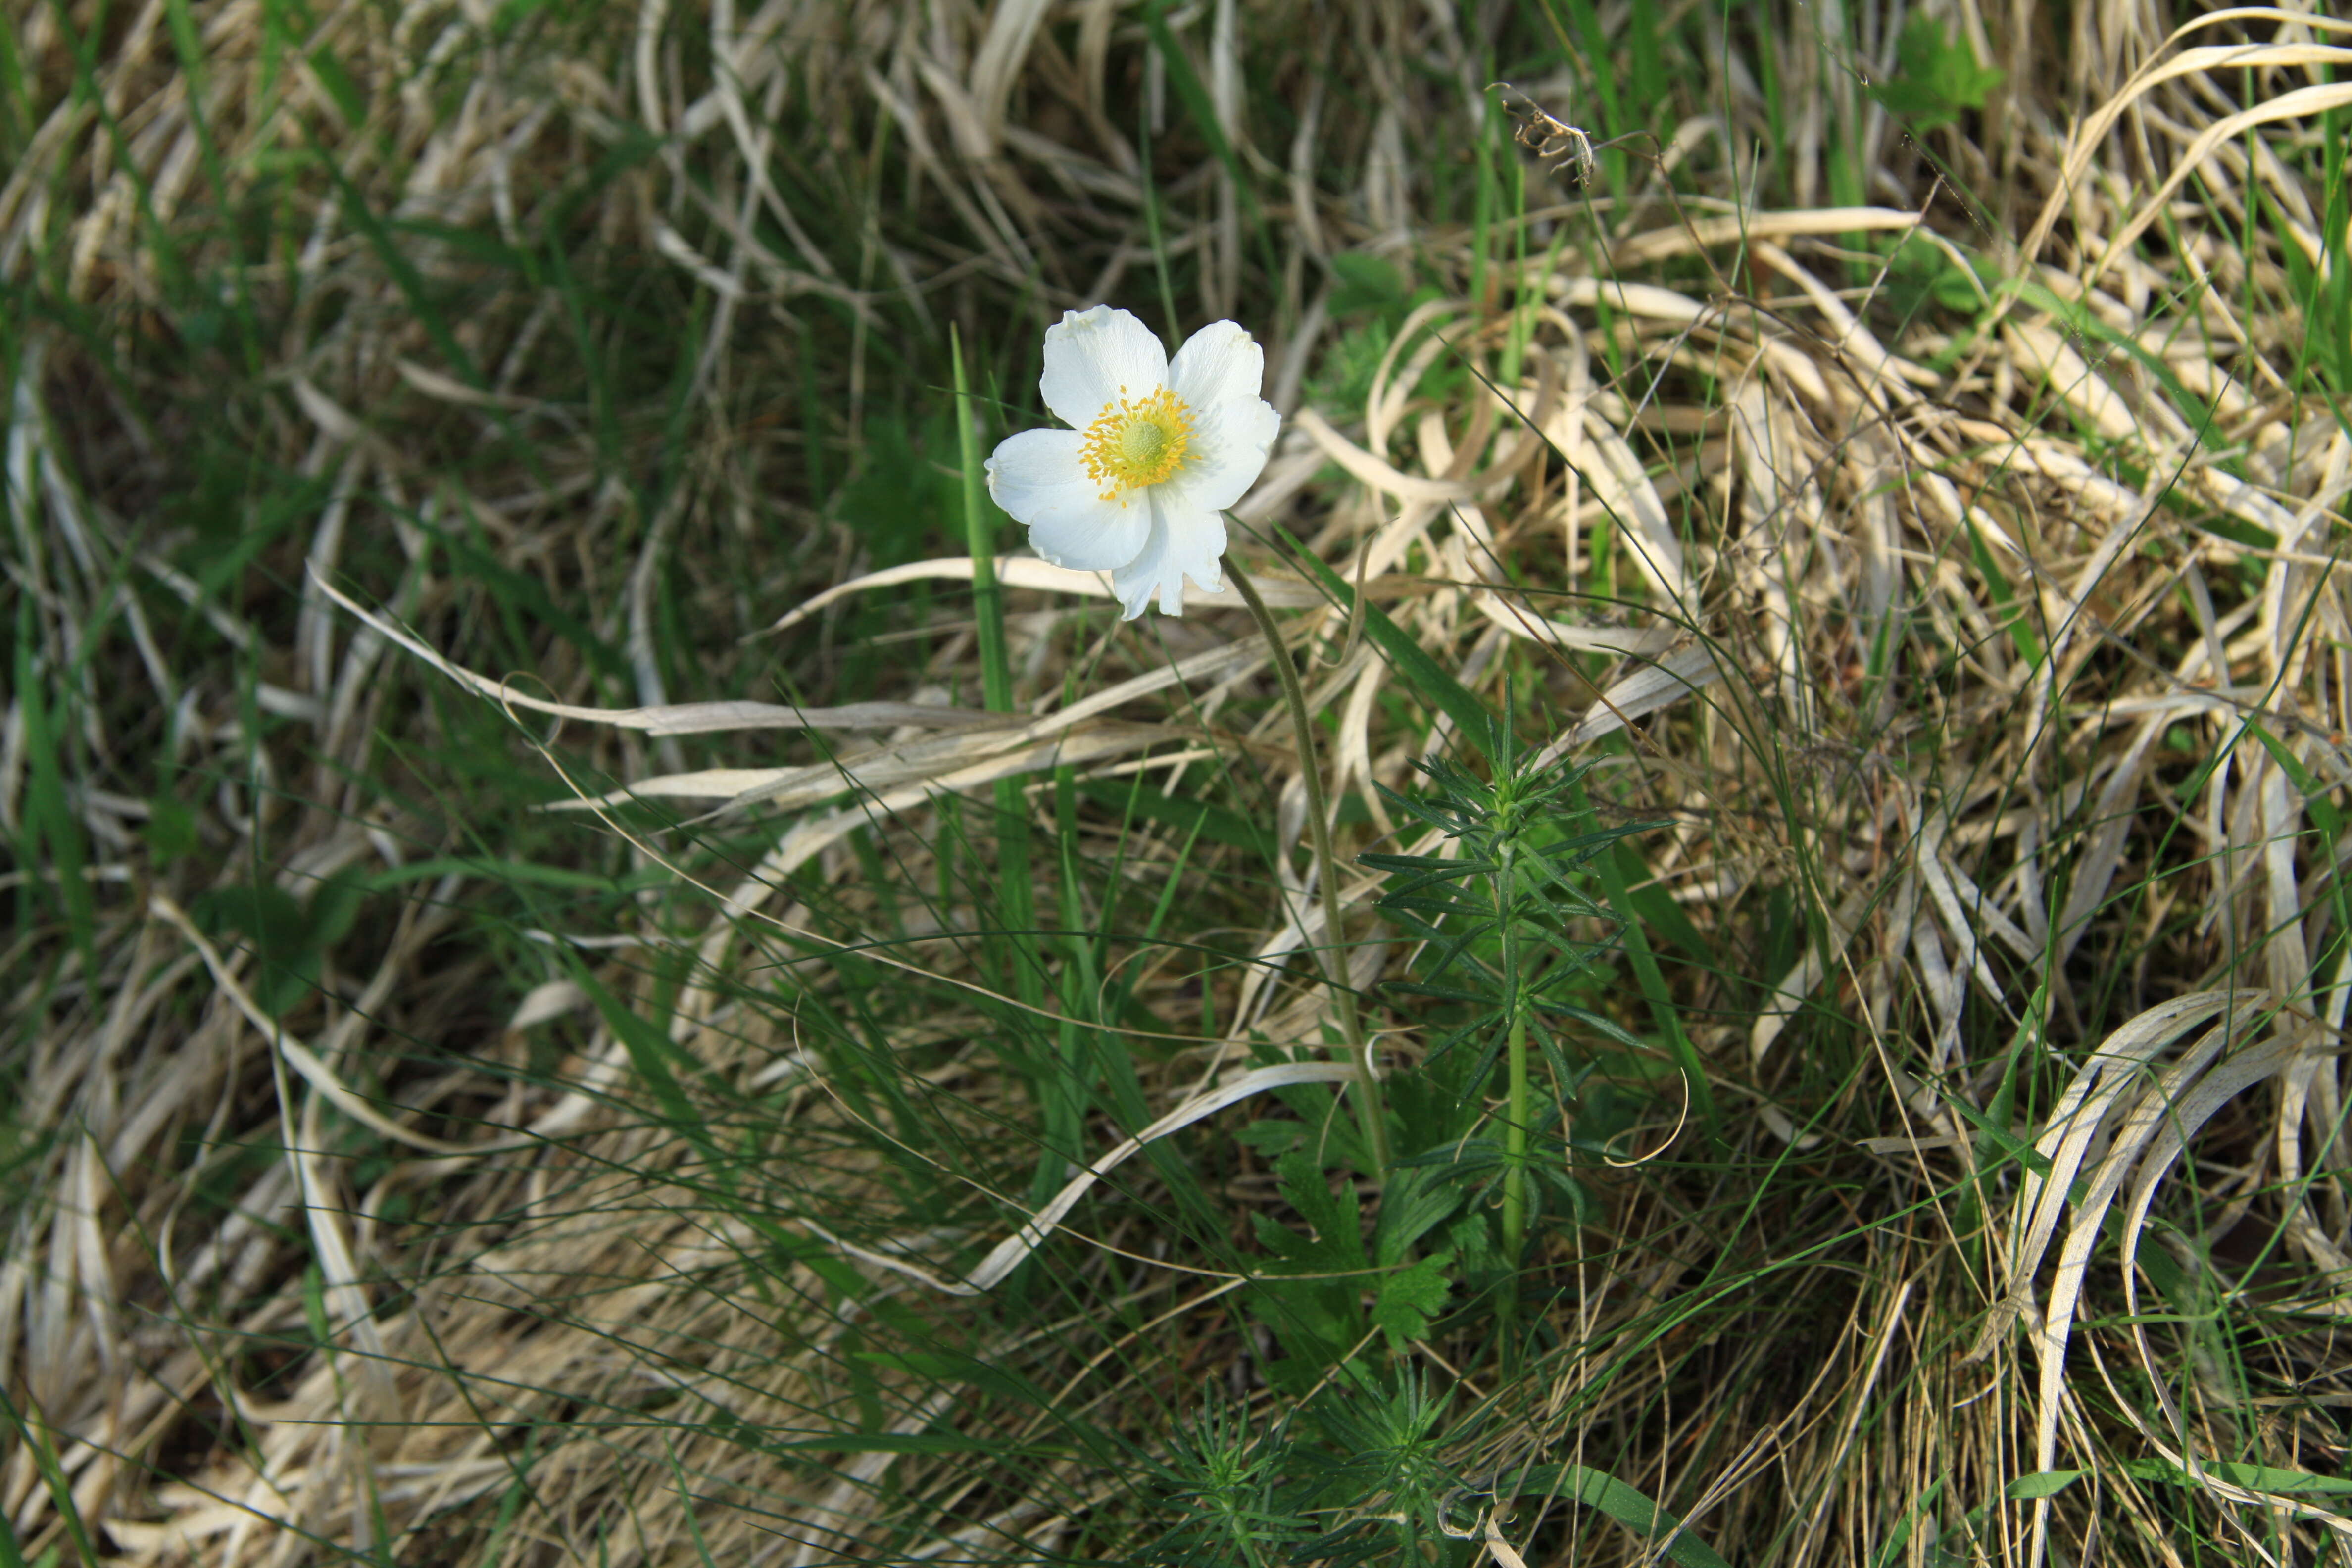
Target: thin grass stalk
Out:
[980,534]
[1175,328]
[1326,874]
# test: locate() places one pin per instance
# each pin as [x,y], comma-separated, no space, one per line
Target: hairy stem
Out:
[1516,1115]
[1327,875]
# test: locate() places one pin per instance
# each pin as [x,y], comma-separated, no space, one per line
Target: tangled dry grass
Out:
[1966,602]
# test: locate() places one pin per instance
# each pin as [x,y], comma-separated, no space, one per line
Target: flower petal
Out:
[1036,477]
[1226,453]
[1219,363]
[1185,541]
[1090,355]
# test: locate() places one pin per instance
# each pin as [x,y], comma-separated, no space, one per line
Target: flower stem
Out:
[1327,876]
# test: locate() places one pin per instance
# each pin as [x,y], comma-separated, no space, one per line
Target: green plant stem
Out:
[1057,1091]
[1327,875]
[1515,1116]
[979,535]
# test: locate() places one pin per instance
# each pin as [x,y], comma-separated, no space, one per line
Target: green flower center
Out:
[1139,443]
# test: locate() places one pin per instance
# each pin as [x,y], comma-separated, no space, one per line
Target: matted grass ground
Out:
[539,974]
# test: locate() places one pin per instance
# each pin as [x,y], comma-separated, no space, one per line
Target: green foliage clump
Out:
[1936,77]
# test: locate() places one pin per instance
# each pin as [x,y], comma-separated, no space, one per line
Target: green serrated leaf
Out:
[1937,79]
[1415,1201]
[1411,1298]
[1333,1215]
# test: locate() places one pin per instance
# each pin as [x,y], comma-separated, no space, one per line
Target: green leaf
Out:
[421,300]
[169,830]
[1411,1298]
[1992,1138]
[1429,866]
[1936,77]
[1436,993]
[650,1051]
[526,593]
[2254,1478]
[265,915]
[2004,602]
[1653,987]
[2194,412]
[1338,1242]
[2041,1484]
[11,1554]
[1469,1154]
[340,85]
[1422,673]
[1628,1507]
[2314,794]
[1414,1201]
[1646,899]
[1573,1193]
[511,873]
[1608,1029]
[48,809]
[1219,825]
[1366,283]
[953,1366]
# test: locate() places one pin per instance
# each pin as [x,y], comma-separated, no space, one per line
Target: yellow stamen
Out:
[1132,445]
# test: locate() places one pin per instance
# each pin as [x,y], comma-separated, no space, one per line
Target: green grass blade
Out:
[1627,1505]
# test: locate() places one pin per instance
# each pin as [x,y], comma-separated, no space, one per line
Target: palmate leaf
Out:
[1334,1215]
[1937,77]
[1411,1298]
[1417,1199]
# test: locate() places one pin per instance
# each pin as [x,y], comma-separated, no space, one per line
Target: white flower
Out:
[1155,453]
